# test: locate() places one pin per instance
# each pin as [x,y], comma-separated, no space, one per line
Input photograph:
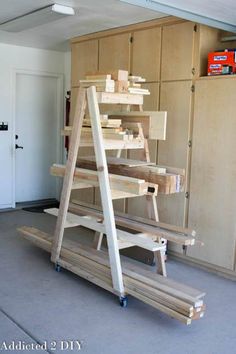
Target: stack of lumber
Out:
[170,297]
[129,185]
[169,180]
[109,132]
[115,81]
[135,85]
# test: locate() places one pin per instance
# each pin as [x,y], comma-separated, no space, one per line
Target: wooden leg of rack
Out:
[97,241]
[153,214]
[69,174]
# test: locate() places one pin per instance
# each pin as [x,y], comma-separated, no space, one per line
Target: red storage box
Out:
[222,63]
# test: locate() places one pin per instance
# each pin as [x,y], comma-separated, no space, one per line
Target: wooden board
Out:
[84,57]
[213,173]
[153,122]
[146,53]
[177,51]
[114,52]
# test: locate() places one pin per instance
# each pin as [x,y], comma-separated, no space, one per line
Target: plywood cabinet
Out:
[84,57]
[213,174]
[177,51]
[146,54]
[175,98]
[114,52]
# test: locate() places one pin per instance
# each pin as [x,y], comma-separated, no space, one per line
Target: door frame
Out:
[59,123]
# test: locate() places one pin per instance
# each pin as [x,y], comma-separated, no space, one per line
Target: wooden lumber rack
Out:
[107,268]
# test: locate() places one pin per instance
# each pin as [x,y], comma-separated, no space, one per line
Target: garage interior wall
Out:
[27,59]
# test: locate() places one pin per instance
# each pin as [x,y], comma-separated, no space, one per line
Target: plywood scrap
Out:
[153,123]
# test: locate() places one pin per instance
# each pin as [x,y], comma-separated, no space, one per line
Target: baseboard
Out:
[226,273]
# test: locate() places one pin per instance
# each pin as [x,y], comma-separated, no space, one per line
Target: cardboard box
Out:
[222,63]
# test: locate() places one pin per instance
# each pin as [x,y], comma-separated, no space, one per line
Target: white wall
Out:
[22,58]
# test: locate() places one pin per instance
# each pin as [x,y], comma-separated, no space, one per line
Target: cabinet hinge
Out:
[193,71]
[187,195]
[190,143]
[195,28]
[193,88]
[131,39]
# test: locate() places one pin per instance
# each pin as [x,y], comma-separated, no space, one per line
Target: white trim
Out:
[60,122]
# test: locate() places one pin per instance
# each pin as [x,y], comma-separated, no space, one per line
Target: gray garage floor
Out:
[37,304]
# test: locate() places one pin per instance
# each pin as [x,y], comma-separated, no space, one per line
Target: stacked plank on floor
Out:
[169,180]
[174,299]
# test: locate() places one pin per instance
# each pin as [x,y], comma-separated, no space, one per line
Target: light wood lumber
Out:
[94,266]
[153,123]
[117,182]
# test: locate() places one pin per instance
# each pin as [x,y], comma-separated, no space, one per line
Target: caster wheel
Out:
[57,268]
[123,301]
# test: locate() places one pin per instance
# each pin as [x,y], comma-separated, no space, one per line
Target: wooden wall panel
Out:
[146,54]
[177,51]
[114,52]
[213,174]
[84,57]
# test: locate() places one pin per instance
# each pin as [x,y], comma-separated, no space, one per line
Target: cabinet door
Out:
[176,100]
[114,52]
[84,57]
[213,173]
[146,54]
[177,51]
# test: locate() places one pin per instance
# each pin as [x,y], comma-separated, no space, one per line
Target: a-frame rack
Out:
[105,270]
[91,98]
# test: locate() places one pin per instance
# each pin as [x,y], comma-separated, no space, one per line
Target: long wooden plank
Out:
[119,98]
[69,174]
[134,223]
[91,223]
[109,220]
[117,182]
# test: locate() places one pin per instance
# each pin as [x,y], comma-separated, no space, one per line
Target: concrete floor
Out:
[37,304]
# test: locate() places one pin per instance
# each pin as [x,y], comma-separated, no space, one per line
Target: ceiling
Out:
[91,16]
[216,13]
[97,15]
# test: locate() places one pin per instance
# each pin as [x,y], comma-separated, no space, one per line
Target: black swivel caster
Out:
[123,301]
[57,268]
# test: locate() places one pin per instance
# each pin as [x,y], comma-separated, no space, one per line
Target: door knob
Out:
[18,147]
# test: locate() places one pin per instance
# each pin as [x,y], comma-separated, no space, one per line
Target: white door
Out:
[36,129]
